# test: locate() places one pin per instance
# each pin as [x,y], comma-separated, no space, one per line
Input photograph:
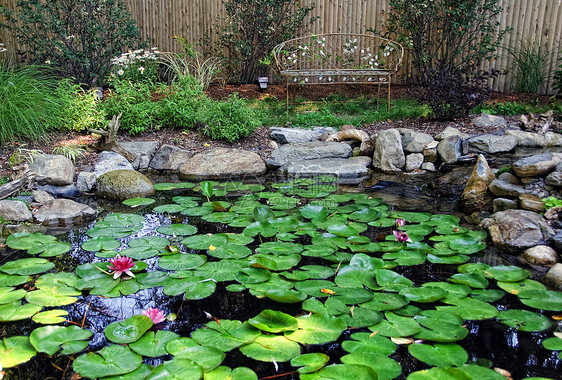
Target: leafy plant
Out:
[507,108]
[22,155]
[77,37]
[529,58]
[72,152]
[136,66]
[558,78]
[80,110]
[254,27]
[551,202]
[180,103]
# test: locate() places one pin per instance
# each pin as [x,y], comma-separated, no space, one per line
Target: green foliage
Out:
[180,103]
[528,59]
[254,27]
[29,107]
[551,202]
[505,169]
[77,37]
[72,152]
[136,66]
[558,78]
[508,108]
[80,110]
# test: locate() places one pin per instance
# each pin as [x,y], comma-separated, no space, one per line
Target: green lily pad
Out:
[385,367]
[204,241]
[153,344]
[136,202]
[177,230]
[27,267]
[13,280]
[10,294]
[252,275]
[219,271]
[454,291]
[347,371]
[269,348]
[316,329]
[177,369]
[29,241]
[15,350]
[173,207]
[50,317]
[416,217]
[470,309]
[128,331]
[344,230]
[360,272]
[516,287]
[474,280]
[395,325]
[392,281]
[439,354]
[507,273]
[227,335]
[542,299]
[424,294]
[440,327]
[50,339]
[155,242]
[311,362]
[447,260]
[272,321]
[206,357]
[181,261]
[15,311]
[553,343]
[109,361]
[53,296]
[238,373]
[274,262]
[524,320]
[486,295]
[100,243]
[141,372]
[467,246]
[362,342]
[193,288]
[386,301]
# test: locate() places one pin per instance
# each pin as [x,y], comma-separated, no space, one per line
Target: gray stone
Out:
[222,163]
[140,148]
[540,255]
[58,170]
[475,196]
[85,181]
[298,135]
[10,229]
[414,161]
[14,211]
[430,152]
[63,212]
[502,188]
[123,184]
[310,151]
[554,179]
[516,230]
[415,142]
[451,131]
[364,160]
[348,171]
[537,165]
[527,139]
[429,166]
[502,204]
[556,241]
[68,191]
[553,139]
[162,156]
[177,158]
[389,156]
[485,120]
[109,161]
[450,149]
[41,196]
[531,202]
[142,162]
[553,277]
[493,143]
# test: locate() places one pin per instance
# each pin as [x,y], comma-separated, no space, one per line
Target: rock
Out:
[475,196]
[415,142]
[310,151]
[58,170]
[298,135]
[554,179]
[389,156]
[450,149]
[14,211]
[504,188]
[553,277]
[485,120]
[531,202]
[553,139]
[553,213]
[348,170]
[68,191]
[85,181]
[143,151]
[41,196]
[493,143]
[540,255]
[429,166]
[10,229]
[123,184]
[222,163]
[535,140]
[516,230]
[537,165]
[451,131]
[109,161]
[177,158]
[502,204]
[162,156]
[556,241]
[414,161]
[430,152]
[63,212]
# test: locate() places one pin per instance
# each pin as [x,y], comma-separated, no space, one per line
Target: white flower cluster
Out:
[2,48]
[135,57]
[350,46]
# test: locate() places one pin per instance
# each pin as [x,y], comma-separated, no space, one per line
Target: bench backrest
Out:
[338,51]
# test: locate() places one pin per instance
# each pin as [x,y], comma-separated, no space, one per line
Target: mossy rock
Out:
[123,184]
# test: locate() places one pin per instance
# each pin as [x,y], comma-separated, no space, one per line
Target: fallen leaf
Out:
[327,291]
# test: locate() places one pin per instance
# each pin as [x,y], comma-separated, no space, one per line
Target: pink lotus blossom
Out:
[155,314]
[401,236]
[121,265]
[400,222]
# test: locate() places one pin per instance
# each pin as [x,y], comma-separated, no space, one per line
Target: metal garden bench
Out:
[338,58]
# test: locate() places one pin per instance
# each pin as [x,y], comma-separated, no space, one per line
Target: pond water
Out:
[314,269]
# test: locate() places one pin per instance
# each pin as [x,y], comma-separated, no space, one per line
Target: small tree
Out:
[77,37]
[254,27]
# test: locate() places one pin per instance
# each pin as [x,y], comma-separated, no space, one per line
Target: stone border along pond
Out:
[187,280]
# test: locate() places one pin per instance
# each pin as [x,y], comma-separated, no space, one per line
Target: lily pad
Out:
[238,373]
[386,301]
[439,354]
[470,309]
[542,299]
[15,311]
[172,208]
[181,261]
[385,367]
[50,339]
[10,294]
[347,371]
[315,329]
[153,344]
[311,362]
[27,267]
[100,243]
[206,357]
[440,327]
[362,342]
[553,343]
[507,273]
[395,325]
[136,202]
[177,369]
[29,241]
[15,350]
[269,348]
[53,296]
[50,317]
[524,320]
[272,321]
[128,331]
[424,294]
[109,361]
[193,288]
[177,230]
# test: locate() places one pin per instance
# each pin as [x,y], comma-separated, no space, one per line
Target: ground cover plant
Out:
[232,279]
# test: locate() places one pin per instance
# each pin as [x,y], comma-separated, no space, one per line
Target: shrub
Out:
[254,27]
[136,66]
[77,37]
[80,108]
[29,106]
[528,58]
[558,79]
[180,104]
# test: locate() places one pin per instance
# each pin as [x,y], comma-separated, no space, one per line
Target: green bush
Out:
[77,37]
[529,60]
[508,109]
[80,110]
[180,104]
[29,105]
[136,66]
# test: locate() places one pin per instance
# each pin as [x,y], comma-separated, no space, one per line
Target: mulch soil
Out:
[258,141]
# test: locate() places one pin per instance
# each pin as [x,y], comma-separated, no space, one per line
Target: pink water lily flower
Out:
[121,265]
[400,222]
[155,314]
[401,236]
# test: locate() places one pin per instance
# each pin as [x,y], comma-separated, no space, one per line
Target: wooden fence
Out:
[538,21]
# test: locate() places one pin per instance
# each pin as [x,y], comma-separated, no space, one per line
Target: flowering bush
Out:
[136,66]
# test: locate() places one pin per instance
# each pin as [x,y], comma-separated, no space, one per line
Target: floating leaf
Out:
[363,342]
[396,326]
[128,331]
[385,367]
[177,369]
[227,335]
[273,321]
[177,230]
[172,186]
[181,261]
[440,327]
[470,309]
[516,287]
[542,299]
[311,362]
[10,295]
[238,373]
[206,357]
[15,350]
[553,343]
[315,329]
[524,320]
[50,317]
[101,243]
[193,288]
[109,361]
[29,241]
[507,273]
[27,267]
[439,354]
[15,311]
[474,280]
[424,294]
[269,348]
[136,202]
[347,371]
[153,344]
[53,296]
[50,339]
[13,280]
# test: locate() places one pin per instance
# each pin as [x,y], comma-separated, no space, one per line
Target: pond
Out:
[292,279]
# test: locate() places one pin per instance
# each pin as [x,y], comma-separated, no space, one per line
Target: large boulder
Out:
[450,149]
[63,212]
[222,163]
[14,211]
[123,184]
[535,140]
[475,196]
[348,170]
[309,151]
[486,120]
[415,142]
[107,161]
[537,165]
[507,186]
[143,151]
[298,135]
[389,155]
[493,143]
[516,230]
[57,170]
